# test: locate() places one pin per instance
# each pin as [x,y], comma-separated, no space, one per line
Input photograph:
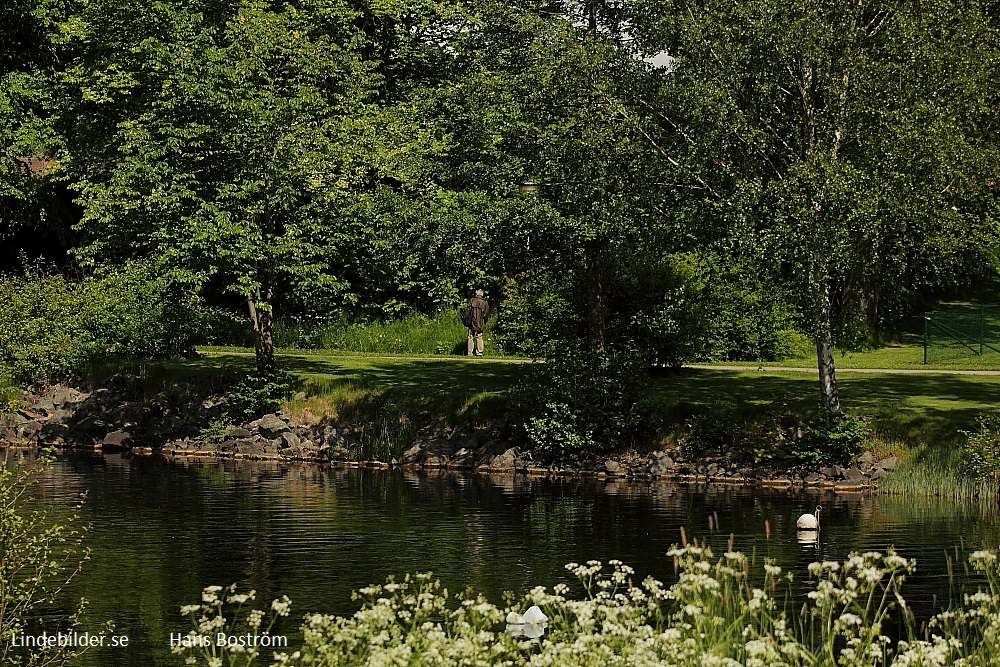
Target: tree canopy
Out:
[830,164]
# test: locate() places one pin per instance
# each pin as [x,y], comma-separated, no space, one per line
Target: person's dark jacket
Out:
[480,310]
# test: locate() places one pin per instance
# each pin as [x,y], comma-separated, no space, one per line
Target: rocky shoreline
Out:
[173,423]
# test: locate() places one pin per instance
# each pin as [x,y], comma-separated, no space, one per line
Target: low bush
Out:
[718,428]
[981,451]
[256,395]
[773,435]
[52,328]
[836,442]
[580,402]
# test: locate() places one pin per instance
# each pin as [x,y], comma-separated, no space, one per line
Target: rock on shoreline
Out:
[119,418]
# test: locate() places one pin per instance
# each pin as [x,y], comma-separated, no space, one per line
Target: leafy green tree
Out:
[847,145]
[561,91]
[235,165]
[34,208]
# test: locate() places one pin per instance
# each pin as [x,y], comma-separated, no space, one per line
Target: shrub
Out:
[257,395]
[52,328]
[538,311]
[836,442]
[37,558]
[981,451]
[773,436]
[685,306]
[716,429]
[581,402]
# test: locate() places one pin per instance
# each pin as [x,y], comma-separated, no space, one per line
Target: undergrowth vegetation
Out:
[414,334]
[723,611]
[772,435]
[52,328]
[581,403]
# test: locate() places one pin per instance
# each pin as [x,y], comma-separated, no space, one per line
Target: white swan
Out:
[809,521]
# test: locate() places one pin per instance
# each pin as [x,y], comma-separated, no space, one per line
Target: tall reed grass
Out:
[413,334]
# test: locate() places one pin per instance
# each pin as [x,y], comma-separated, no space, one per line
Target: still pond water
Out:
[162,530]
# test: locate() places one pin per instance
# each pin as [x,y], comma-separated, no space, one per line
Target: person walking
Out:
[479,310]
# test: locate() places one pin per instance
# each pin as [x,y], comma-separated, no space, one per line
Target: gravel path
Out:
[802,369]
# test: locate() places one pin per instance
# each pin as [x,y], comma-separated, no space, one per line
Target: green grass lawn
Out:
[351,387]
[898,356]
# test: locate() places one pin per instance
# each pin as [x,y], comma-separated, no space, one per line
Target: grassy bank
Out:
[918,418]
[349,388]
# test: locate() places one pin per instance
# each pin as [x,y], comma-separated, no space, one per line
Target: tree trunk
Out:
[595,299]
[829,396]
[262,319]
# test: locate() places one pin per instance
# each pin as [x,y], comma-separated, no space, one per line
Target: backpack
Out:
[466,316]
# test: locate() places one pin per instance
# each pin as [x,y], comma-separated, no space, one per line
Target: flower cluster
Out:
[209,620]
[721,612]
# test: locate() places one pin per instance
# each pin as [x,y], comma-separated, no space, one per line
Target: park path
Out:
[332,357]
[708,367]
[804,369]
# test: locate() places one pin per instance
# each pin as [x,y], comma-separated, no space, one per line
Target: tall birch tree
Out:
[847,144]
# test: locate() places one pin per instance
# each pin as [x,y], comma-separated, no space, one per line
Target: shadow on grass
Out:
[924,407]
[907,405]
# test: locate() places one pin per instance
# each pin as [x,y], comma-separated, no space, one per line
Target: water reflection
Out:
[164,529]
[531,626]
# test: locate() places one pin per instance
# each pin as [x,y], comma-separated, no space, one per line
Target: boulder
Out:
[54,433]
[271,426]
[29,429]
[413,454]
[288,440]
[613,467]
[853,476]
[238,432]
[887,463]
[505,461]
[90,427]
[662,466]
[436,461]
[866,461]
[118,439]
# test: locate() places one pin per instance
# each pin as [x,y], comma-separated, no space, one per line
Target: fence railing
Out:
[961,331]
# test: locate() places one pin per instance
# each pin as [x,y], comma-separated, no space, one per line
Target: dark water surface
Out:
[163,530]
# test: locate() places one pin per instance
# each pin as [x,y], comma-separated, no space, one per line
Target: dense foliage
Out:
[582,402]
[981,450]
[52,328]
[692,180]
